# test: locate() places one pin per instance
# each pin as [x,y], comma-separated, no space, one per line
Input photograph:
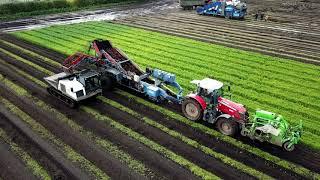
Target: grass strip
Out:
[30,163]
[282,163]
[106,145]
[153,145]
[227,160]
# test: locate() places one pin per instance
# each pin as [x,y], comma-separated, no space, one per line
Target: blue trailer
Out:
[232,9]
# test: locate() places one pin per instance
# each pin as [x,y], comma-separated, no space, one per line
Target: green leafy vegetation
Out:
[16,10]
[259,81]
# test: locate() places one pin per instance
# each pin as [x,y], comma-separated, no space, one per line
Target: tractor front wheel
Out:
[192,109]
[286,146]
[227,127]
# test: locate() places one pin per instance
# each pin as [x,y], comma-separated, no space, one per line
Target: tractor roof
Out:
[209,84]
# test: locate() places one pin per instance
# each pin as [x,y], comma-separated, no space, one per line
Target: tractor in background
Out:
[231,9]
[86,76]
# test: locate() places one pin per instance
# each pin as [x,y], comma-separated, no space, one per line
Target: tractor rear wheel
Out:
[192,109]
[286,146]
[227,127]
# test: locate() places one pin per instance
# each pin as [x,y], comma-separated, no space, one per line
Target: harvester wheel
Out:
[227,126]
[286,146]
[192,109]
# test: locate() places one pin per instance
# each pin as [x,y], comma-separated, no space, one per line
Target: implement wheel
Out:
[286,146]
[227,127]
[192,109]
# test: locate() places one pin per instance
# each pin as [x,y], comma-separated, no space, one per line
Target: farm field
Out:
[289,36]
[121,135]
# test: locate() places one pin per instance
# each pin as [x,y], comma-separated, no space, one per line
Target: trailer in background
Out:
[192,4]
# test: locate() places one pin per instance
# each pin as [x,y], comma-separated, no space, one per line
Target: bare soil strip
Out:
[11,167]
[44,153]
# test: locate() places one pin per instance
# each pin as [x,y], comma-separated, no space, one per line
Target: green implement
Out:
[273,128]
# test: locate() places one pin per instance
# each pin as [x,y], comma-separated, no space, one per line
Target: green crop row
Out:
[153,145]
[236,71]
[238,165]
[282,163]
[26,62]
[70,154]
[292,114]
[228,60]
[277,63]
[30,163]
[32,54]
[292,110]
[82,43]
[308,141]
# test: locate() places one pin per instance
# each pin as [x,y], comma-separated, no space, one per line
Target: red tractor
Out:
[208,104]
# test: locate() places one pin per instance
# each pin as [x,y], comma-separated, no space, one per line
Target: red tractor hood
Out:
[229,107]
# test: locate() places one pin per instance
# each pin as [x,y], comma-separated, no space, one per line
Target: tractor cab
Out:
[209,89]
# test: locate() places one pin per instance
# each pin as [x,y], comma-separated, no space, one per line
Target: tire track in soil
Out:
[219,146]
[162,167]
[308,158]
[103,160]
[43,158]
[11,166]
